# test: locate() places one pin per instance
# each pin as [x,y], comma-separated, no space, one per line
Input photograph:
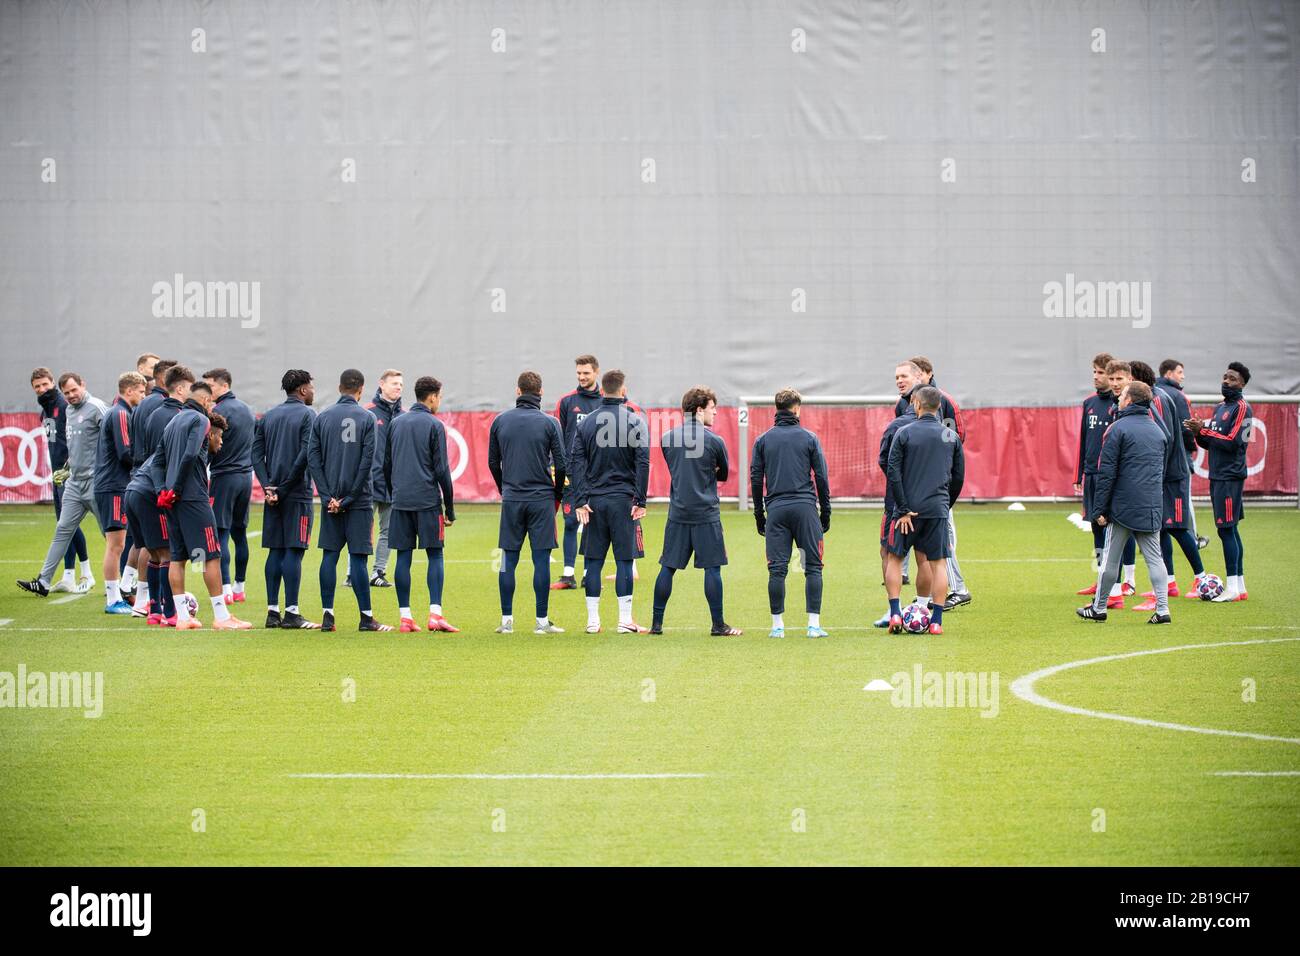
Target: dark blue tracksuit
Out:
[113,462]
[1225,437]
[384,412]
[886,442]
[181,465]
[279,455]
[1177,488]
[527,461]
[140,448]
[418,472]
[697,461]
[231,484]
[787,479]
[609,470]
[54,419]
[1098,412]
[926,471]
[1182,412]
[570,410]
[949,411]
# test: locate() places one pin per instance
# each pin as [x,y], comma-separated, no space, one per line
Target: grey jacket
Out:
[83,438]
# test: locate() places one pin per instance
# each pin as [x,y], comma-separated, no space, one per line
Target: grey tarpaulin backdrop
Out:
[522,170]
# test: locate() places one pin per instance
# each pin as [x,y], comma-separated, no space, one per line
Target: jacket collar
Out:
[528,401]
[1168,383]
[612,400]
[1135,408]
[587,392]
[394,407]
[346,400]
[192,404]
[786,417]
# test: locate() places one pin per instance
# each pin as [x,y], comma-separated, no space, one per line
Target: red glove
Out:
[166,498]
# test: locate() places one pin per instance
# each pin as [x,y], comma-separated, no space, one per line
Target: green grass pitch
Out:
[784,757]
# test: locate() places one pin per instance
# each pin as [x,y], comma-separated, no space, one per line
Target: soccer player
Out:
[179,470]
[949,415]
[341,456]
[697,461]
[129,562]
[610,471]
[231,481]
[84,414]
[280,441]
[907,376]
[1177,488]
[385,406]
[155,396]
[526,458]
[1225,436]
[1172,374]
[146,523]
[54,419]
[1128,497]
[789,464]
[1119,374]
[570,410]
[927,469]
[1095,417]
[113,461]
[417,469]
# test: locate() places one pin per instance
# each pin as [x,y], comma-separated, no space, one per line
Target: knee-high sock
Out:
[1167,552]
[360,581]
[126,551]
[329,577]
[79,542]
[1187,541]
[506,581]
[240,537]
[155,587]
[165,585]
[592,572]
[623,578]
[812,589]
[1098,541]
[776,572]
[541,581]
[274,572]
[1241,550]
[402,578]
[663,591]
[570,540]
[1231,551]
[223,539]
[1130,553]
[433,577]
[292,574]
[713,592]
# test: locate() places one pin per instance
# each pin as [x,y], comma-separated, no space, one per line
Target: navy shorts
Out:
[567,509]
[884,529]
[1178,503]
[231,495]
[704,540]
[611,524]
[929,536]
[145,523]
[111,510]
[287,524]
[350,530]
[192,531]
[798,525]
[534,518]
[408,530]
[1226,495]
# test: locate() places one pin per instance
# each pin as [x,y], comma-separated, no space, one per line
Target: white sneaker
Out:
[67,585]
[507,628]
[85,585]
[548,628]
[593,628]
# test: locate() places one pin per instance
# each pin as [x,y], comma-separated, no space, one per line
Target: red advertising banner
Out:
[1010,452]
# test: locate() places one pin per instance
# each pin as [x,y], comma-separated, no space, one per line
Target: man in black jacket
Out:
[792,505]
[527,462]
[385,406]
[1128,500]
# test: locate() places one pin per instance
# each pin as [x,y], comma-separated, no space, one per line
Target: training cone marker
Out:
[879,684]
[1015,506]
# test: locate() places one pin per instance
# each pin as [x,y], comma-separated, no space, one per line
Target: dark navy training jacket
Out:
[236,456]
[525,453]
[416,467]
[1225,438]
[140,449]
[181,462]
[1127,488]
[697,461]
[54,419]
[927,468]
[788,467]
[1097,414]
[341,453]
[610,454]
[280,450]
[384,412]
[886,443]
[113,458]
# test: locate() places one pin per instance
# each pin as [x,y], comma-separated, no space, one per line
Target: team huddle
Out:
[1136,442]
[167,470]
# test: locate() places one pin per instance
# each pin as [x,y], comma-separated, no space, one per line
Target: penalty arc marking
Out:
[1023,687]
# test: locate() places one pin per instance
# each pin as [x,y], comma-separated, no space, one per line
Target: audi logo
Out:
[21,458]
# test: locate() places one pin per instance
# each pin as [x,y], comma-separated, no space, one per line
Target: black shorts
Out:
[408,530]
[611,524]
[231,495]
[111,510]
[351,530]
[1178,503]
[796,524]
[145,523]
[534,518]
[192,531]
[929,536]
[704,540]
[1226,496]
[287,525]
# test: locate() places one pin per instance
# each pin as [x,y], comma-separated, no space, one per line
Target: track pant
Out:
[384,512]
[78,500]
[956,583]
[1112,559]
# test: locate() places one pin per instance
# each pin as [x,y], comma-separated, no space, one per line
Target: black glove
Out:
[826,521]
[760,520]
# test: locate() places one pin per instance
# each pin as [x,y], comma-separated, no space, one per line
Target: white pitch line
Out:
[68,597]
[6,620]
[1023,687]
[497,776]
[1255,773]
[253,534]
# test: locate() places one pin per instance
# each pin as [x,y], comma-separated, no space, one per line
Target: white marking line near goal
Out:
[1254,773]
[1023,687]
[497,776]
